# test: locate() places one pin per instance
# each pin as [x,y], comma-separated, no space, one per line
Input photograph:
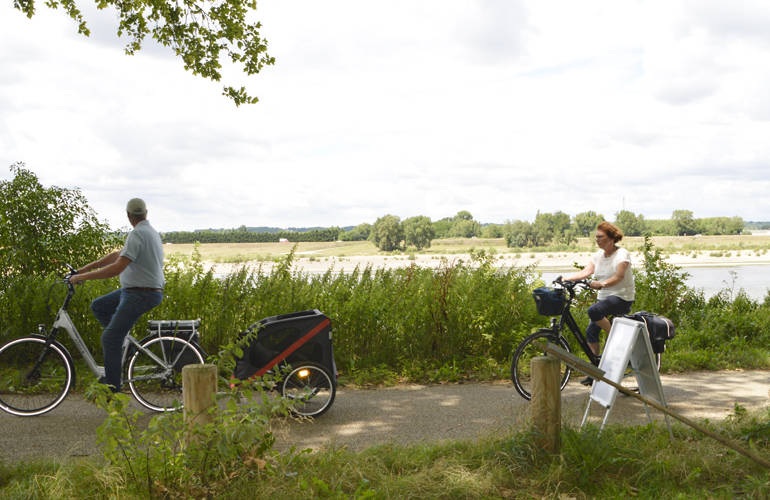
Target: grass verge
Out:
[621,462]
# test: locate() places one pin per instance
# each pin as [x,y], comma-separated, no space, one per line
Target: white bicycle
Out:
[37,372]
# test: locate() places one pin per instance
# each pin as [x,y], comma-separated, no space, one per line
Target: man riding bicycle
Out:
[140,266]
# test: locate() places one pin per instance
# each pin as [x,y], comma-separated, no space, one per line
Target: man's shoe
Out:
[103,380]
[587,381]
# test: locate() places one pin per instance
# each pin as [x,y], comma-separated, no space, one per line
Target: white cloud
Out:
[500,108]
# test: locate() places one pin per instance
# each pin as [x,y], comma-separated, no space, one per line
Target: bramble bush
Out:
[167,458]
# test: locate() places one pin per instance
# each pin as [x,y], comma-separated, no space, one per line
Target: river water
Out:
[753,279]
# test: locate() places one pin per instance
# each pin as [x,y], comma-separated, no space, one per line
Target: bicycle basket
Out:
[549,301]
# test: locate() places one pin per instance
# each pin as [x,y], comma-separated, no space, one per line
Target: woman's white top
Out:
[606,267]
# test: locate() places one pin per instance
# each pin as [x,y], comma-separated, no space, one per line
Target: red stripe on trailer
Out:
[296,345]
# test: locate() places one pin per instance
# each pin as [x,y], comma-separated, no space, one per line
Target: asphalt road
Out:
[408,414]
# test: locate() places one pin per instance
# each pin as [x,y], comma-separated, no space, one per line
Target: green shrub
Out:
[460,320]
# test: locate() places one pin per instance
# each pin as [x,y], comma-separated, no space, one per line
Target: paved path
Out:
[408,414]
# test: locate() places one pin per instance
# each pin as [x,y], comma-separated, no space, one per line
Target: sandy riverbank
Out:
[557,261]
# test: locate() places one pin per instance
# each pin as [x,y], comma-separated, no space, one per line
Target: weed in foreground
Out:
[620,462]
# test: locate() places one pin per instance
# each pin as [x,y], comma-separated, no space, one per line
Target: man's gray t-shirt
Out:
[145,250]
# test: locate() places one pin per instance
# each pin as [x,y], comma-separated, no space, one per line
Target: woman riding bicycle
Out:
[614,279]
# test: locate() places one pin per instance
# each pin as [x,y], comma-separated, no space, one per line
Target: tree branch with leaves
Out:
[202,33]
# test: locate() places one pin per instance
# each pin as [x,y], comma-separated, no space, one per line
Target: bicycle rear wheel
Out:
[310,388]
[34,379]
[529,348]
[156,380]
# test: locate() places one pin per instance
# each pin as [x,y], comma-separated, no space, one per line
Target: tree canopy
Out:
[630,223]
[201,32]
[358,233]
[586,222]
[418,231]
[43,228]
[684,222]
[387,233]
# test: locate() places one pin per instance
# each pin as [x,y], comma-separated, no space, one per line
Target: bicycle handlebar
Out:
[66,280]
[570,284]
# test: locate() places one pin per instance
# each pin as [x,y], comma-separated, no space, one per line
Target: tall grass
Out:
[460,320]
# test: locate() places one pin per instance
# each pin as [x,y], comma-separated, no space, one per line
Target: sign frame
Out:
[627,343]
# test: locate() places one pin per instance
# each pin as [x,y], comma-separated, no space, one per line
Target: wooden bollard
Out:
[545,406]
[199,387]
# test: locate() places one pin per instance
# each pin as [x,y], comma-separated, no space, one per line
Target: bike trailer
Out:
[294,338]
[659,328]
[549,301]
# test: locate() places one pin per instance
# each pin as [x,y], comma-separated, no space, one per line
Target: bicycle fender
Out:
[63,349]
[132,349]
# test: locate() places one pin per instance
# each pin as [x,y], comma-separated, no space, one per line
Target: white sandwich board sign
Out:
[628,342]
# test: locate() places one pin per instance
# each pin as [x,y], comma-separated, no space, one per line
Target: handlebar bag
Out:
[549,301]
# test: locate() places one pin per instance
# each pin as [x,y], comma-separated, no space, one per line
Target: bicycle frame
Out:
[64,321]
[568,319]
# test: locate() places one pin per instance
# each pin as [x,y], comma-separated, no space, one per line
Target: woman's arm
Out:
[583,273]
[620,273]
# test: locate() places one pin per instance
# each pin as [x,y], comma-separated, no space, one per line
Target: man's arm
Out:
[104,261]
[113,269]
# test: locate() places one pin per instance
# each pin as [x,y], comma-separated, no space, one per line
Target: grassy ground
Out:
[244,252]
[621,462]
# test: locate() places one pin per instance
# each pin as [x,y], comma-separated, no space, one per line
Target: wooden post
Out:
[598,374]
[199,387]
[546,402]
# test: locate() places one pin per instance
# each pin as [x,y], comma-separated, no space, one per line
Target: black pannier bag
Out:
[292,338]
[659,327]
[549,301]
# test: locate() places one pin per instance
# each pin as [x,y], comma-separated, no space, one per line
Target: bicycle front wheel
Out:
[310,388]
[155,371]
[529,348]
[34,379]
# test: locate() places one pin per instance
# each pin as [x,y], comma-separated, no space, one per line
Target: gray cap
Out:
[136,206]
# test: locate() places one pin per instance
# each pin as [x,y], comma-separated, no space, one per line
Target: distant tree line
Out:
[757,225]
[558,228]
[241,235]
[390,233]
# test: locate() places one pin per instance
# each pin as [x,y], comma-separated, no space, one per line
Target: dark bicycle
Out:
[552,302]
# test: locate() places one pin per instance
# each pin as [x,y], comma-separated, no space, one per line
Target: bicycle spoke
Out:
[310,388]
[153,380]
[34,378]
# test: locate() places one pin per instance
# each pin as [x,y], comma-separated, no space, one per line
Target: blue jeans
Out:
[603,308]
[118,311]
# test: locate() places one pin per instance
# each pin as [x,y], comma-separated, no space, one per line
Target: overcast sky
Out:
[501,108]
